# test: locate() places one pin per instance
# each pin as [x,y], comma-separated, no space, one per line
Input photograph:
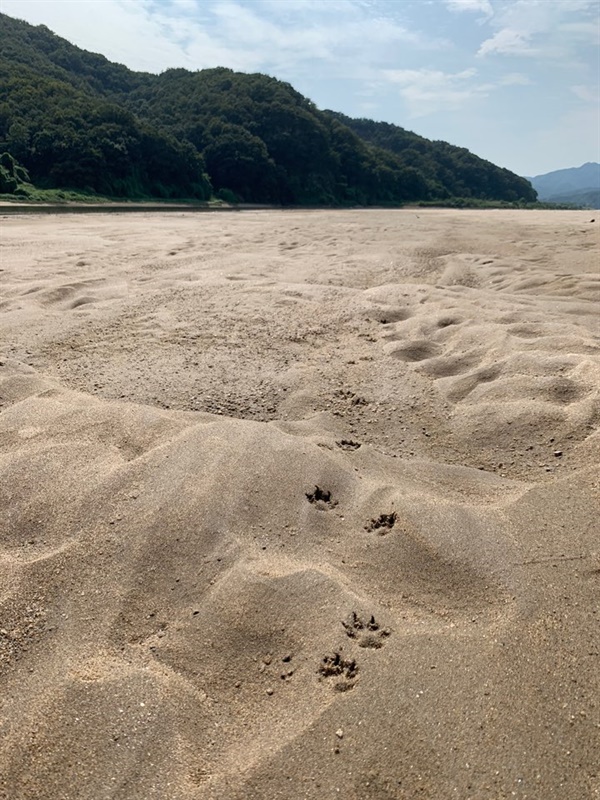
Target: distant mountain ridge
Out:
[75,120]
[579,185]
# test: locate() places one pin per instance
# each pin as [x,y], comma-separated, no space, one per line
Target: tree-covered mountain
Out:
[74,119]
[449,171]
[57,120]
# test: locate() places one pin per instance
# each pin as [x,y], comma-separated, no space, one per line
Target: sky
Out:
[514,81]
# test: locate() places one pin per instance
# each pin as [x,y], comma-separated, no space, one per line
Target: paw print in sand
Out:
[344,669]
[383,524]
[367,634]
[321,499]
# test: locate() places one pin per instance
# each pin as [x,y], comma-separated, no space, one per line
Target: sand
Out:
[299,504]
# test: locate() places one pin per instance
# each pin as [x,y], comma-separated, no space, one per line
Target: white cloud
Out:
[483,6]
[507,42]
[585,31]
[351,46]
[515,79]
[286,7]
[589,94]
[126,32]
[545,28]
[341,37]
[187,6]
[426,91]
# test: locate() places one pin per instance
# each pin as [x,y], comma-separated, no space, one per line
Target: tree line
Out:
[73,119]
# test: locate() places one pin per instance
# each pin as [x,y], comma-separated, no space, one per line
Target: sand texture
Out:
[300,505]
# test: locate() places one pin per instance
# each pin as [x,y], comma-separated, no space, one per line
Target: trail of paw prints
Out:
[344,670]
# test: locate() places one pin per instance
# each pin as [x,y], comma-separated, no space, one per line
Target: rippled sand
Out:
[299,505]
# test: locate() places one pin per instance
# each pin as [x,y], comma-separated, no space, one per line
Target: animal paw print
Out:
[321,499]
[348,444]
[367,634]
[383,524]
[344,669]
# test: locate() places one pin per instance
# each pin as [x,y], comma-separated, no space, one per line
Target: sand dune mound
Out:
[299,505]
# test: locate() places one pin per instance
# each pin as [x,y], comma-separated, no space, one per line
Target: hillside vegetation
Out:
[75,120]
[584,198]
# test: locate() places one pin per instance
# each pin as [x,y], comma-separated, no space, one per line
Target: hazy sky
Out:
[515,81]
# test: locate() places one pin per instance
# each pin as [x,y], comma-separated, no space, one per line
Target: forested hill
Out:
[75,120]
[450,171]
